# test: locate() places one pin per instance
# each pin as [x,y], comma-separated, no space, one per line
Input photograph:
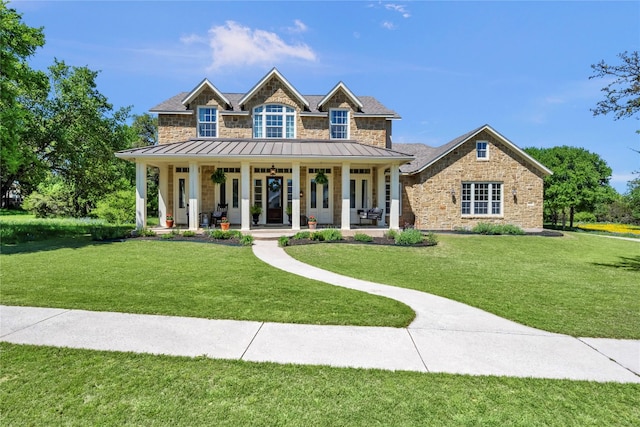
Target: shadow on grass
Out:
[625,263]
[52,245]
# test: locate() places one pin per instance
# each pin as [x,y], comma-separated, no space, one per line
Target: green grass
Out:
[56,386]
[579,284]
[182,279]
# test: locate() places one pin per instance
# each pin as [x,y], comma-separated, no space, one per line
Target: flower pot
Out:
[224,226]
[256,218]
[312,225]
[169,223]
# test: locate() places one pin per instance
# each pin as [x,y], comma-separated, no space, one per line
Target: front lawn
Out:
[180,279]
[580,285]
[57,386]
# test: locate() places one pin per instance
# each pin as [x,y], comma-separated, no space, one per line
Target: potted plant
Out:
[224,223]
[218,177]
[321,178]
[312,222]
[255,210]
[169,220]
[288,210]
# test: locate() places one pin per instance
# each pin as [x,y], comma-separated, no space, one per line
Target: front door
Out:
[181,203]
[274,200]
[320,201]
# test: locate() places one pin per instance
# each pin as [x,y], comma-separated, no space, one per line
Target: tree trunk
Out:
[571,212]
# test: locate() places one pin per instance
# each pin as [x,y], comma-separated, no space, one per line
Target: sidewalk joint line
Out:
[608,357]
[252,339]
[66,310]
[417,350]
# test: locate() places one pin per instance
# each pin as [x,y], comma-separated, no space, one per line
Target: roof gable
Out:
[205,84]
[432,155]
[274,73]
[340,87]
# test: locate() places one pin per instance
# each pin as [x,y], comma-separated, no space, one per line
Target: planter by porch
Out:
[312,225]
[256,218]
[224,226]
[169,223]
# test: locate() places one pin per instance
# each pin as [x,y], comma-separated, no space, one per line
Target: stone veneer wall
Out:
[181,127]
[427,195]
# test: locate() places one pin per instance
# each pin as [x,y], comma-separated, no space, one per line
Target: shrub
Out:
[361,237]
[410,236]
[390,234]
[494,229]
[317,235]
[302,235]
[283,241]
[167,236]
[145,232]
[584,217]
[51,199]
[330,234]
[431,239]
[117,208]
[189,233]
[109,231]
[220,235]
[246,240]
[235,234]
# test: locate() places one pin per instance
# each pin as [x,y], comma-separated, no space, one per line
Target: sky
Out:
[446,67]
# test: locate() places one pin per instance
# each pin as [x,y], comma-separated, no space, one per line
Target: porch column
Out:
[381,203]
[141,195]
[245,179]
[194,196]
[394,220]
[295,197]
[346,197]
[163,193]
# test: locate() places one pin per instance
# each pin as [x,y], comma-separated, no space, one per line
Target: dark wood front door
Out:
[274,200]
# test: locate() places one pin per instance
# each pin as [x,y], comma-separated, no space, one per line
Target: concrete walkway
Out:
[446,336]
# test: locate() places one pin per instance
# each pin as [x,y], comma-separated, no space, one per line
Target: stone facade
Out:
[427,198]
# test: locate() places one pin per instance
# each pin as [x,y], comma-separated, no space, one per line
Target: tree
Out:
[580,180]
[20,87]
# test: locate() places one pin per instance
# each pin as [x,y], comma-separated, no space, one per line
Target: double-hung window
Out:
[482,150]
[481,198]
[207,122]
[339,124]
[274,121]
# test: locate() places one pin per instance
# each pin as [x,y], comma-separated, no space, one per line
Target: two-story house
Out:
[271,142]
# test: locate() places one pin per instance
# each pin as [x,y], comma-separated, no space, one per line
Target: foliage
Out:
[585,217]
[19,229]
[110,231]
[255,209]
[361,237]
[622,94]
[246,240]
[410,236]
[632,197]
[167,236]
[218,176]
[51,199]
[302,235]
[611,228]
[144,232]
[189,233]
[431,239]
[117,208]
[328,235]
[312,219]
[283,241]
[390,234]
[220,234]
[497,229]
[20,87]
[580,181]
[321,178]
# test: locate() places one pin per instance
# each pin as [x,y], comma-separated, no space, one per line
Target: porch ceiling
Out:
[266,150]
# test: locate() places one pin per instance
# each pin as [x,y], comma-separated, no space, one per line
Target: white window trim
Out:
[264,114]
[472,213]
[348,124]
[482,159]
[198,121]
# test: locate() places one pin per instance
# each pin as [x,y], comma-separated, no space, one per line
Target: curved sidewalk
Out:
[446,336]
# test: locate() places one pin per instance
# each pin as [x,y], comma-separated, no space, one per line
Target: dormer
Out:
[257,91]
[206,85]
[335,92]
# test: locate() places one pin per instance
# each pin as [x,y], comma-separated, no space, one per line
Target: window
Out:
[207,123]
[339,124]
[257,192]
[482,150]
[274,121]
[481,198]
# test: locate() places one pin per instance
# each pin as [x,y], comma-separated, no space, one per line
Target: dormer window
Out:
[482,150]
[339,124]
[207,122]
[274,121]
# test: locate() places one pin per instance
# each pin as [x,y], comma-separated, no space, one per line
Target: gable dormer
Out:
[273,88]
[202,88]
[338,97]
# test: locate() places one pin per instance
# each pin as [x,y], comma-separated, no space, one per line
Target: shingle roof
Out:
[425,155]
[268,148]
[369,103]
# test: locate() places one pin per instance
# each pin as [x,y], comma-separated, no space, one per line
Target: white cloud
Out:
[299,27]
[388,25]
[623,177]
[234,45]
[398,8]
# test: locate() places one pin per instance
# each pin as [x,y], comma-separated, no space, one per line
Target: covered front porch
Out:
[280,178]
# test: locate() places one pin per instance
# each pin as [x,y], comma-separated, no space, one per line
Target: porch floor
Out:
[274,232]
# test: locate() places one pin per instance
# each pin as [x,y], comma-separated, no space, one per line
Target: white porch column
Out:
[194,196]
[163,193]
[394,220]
[381,203]
[141,195]
[346,197]
[295,197]
[245,179]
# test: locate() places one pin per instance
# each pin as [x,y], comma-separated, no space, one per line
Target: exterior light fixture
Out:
[514,192]
[301,194]
[453,192]
[273,169]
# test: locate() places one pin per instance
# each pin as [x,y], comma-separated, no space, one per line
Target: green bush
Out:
[220,234]
[51,199]
[189,233]
[300,235]
[110,231]
[283,241]
[584,217]
[410,236]
[117,208]
[495,229]
[246,240]
[330,234]
[390,234]
[145,232]
[361,237]
[431,239]
[167,236]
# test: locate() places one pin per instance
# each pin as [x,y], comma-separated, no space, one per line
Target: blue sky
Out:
[445,67]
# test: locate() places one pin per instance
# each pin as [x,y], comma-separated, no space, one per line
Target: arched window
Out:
[274,121]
